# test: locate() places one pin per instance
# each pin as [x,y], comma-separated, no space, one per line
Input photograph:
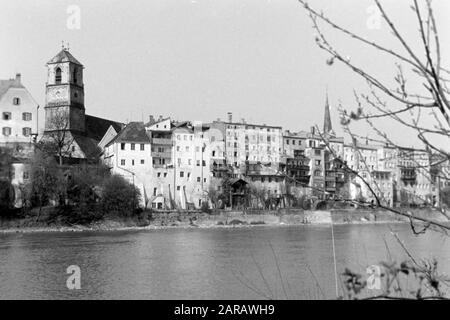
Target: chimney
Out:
[313,130]
[18,78]
[230,117]
[151,119]
[160,118]
[243,120]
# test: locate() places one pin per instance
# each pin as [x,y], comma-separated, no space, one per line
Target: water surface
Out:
[222,263]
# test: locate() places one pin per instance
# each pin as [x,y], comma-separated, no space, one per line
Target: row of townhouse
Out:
[166,160]
[175,164]
[392,175]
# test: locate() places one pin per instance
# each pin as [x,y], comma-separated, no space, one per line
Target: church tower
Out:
[327,127]
[64,106]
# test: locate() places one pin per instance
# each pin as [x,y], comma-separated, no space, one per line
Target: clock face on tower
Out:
[57,95]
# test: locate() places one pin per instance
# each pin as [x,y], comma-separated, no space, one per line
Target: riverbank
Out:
[223,219]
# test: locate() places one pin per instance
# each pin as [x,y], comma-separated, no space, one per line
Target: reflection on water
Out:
[226,263]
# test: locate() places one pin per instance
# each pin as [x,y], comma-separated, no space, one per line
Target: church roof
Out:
[64,56]
[96,127]
[87,145]
[327,127]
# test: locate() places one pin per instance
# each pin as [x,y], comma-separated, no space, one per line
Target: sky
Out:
[199,59]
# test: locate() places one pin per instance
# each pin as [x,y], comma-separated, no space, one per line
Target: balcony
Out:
[156,154]
[162,141]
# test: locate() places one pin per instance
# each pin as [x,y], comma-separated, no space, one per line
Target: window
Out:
[58,75]
[142,161]
[122,146]
[26,116]
[26,175]
[159,174]
[198,163]
[204,163]
[6,115]
[132,162]
[122,162]
[204,180]
[16,101]
[214,153]
[74,75]
[133,146]
[154,191]
[181,174]
[198,179]
[142,147]
[73,148]
[26,132]
[178,188]
[6,131]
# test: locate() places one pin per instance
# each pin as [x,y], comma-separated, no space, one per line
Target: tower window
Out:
[58,75]
[74,75]
[16,101]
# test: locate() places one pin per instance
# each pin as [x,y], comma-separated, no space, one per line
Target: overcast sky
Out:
[199,59]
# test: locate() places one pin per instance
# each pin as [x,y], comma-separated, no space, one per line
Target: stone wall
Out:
[286,217]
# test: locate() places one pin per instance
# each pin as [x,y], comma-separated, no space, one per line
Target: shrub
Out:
[205,207]
[6,196]
[119,197]
[445,196]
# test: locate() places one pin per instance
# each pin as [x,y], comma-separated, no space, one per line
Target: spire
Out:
[327,128]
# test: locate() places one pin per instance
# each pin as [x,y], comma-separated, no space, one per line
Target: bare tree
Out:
[404,103]
[417,101]
[58,140]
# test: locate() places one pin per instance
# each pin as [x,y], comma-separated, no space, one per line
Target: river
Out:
[221,263]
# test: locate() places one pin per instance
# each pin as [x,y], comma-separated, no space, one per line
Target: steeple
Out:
[327,127]
[64,107]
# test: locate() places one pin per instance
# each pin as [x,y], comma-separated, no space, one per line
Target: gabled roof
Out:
[133,132]
[64,56]
[107,137]
[5,85]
